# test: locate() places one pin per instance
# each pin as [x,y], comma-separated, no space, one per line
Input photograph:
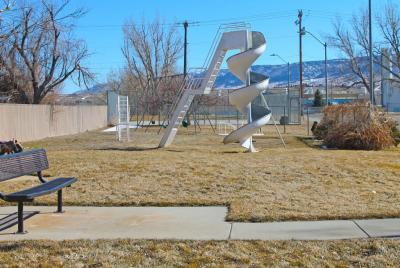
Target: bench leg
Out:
[59,202]
[21,218]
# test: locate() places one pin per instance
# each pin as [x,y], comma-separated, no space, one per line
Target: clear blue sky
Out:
[102,26]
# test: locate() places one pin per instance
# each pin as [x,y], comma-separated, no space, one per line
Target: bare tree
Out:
[151,52]
[40,52]
[353,42]
[5,83]
[389,25]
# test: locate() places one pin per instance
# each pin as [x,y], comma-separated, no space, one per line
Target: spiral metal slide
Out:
[242,98]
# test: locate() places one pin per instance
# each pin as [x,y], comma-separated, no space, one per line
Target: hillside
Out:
[313,74]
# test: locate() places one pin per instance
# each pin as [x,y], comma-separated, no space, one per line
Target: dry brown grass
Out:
[133,253]
[297,183]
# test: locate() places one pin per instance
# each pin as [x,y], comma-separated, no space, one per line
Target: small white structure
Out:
[123,118]
[390,90]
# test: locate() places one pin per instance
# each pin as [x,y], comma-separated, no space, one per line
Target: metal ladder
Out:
[181,108]
[216,69]
[123,119]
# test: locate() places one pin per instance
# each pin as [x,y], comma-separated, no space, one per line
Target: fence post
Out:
[284,119]
[237,119]
[308,123]
[215,115]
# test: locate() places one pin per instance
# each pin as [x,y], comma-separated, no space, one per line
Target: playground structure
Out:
[220,109]
[252,45]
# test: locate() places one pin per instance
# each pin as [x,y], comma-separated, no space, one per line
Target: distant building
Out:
[390,89]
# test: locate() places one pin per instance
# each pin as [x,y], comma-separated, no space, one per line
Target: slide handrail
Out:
[236,26]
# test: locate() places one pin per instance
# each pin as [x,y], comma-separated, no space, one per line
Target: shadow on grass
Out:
[174,150]
[310,142]
[9,246]
[232,152]
[128,149]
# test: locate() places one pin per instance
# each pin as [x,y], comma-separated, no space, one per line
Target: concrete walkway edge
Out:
[184,223]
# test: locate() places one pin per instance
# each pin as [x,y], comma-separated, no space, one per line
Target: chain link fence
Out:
[214,108]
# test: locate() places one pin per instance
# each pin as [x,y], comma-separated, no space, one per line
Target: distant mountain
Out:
[313,73]
[96,89]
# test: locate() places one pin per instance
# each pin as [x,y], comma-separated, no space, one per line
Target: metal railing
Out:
[223,28]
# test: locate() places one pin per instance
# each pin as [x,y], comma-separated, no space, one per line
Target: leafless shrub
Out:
[351,126]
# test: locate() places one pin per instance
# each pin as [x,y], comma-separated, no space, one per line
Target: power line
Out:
[310,13]
[257,17]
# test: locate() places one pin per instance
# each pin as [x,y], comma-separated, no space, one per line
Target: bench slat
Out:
[42,189]
[20,164]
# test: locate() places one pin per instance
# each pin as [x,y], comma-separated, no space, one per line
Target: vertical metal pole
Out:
[248,83]
[195,119]
[308,123]
[20,218]
[237,119]
[371,68]
[59,201]
[288,90]
[300,19]
[185,26]
[326,74]
[284,119]
[215,116]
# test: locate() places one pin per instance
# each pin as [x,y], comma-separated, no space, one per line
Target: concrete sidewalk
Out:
[189,223]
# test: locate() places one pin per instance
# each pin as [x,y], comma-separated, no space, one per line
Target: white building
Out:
[390,90]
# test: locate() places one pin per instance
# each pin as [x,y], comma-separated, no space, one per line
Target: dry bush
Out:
[351,126]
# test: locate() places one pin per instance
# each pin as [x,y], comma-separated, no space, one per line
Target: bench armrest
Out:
[40,176]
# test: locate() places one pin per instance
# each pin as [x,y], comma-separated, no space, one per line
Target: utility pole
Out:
[371,62]
[325,45]
[326,74]
[299,23]
[185,26]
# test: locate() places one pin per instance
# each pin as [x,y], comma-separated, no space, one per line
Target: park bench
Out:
[26,163]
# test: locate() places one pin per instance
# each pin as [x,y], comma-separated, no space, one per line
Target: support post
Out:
[59,202]
[249,44]
[185,45]
[299,23]
[284,119]
[326,73]
[185,26]
[371,63]
[308,123]
[288,90]
[20,218]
